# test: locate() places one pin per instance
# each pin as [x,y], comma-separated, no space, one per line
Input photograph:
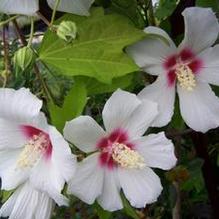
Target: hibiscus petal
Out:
[26,202]
[209,71]
[163,94]
[11,135]
[25,7]
[140,186]
[84,133]
[18,106]
[200,107]
[110,198]
[141,118]
[46,178]
[44,209]
[11,175]
[8,206]
[201,28]
[51,173]
[160,32]
[62,159]
[157,150]
[22,204]
[60,199]
[79,7]
[39,122]
[87,183]
[151,53]
[118,109]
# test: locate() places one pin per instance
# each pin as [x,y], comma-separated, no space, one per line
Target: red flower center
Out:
[107,144]
[182,66]
[38,145]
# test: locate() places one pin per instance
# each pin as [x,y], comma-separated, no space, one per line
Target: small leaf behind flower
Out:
[102,214]
[73,105]
[128,209]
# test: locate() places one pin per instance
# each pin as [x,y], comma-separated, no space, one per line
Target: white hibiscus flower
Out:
[27,202]
[30,149]
[189,69]
[121,157]
[30,7]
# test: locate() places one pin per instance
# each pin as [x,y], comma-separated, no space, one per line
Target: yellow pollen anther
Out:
[185,77]
[127,157]
[32,151]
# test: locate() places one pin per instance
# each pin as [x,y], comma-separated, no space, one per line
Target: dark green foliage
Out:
[81,75]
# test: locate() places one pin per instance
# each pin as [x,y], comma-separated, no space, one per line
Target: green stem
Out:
[43,83]
[8,20]
[54,12]
[151,17]
[43,18]
[36,69]
[6,55]
[31,32]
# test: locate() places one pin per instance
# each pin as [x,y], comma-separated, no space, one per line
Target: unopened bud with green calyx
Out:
[67,30]
[24,57]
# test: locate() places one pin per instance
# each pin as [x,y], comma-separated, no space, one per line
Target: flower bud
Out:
[67,30]
[24,57]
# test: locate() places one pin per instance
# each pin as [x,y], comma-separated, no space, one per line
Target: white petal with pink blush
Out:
[30,149]
[193,61]
[27,202]
[119,153]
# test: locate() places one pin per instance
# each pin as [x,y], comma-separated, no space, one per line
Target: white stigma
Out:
[32,151]
[185,77]
[127,157]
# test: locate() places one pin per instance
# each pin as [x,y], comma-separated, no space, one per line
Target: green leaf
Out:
[165,8]
[102,214]
[130,9]
[98,49]
[5,195]
[95,87]
[73,105]
[129,210]
[177,121]
[214,4]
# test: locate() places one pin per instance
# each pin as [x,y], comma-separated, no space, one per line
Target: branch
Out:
[176,212]
[7,63]
[35,67]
